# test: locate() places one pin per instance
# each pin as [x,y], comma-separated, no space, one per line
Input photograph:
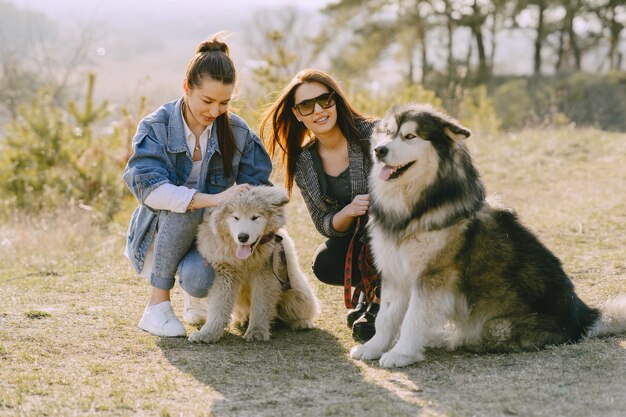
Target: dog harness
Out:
[279,260]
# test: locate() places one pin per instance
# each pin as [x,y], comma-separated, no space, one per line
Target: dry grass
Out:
[69,343]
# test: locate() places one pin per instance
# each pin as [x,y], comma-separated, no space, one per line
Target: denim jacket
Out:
[161,156]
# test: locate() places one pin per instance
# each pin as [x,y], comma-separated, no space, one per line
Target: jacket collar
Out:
[358,174]
[176,137]
[176,141]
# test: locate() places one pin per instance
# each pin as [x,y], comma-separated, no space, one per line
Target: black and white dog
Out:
[458,270]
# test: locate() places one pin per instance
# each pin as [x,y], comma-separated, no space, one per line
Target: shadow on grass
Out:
[308,373]
[296,373]
[582,379]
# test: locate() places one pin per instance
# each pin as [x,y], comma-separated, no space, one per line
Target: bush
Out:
[478,112]
[594,100]
[527,102]
[379,104]
[581,98]
[514,104]
[48,161]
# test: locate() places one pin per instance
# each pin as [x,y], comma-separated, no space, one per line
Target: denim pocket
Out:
[218,182]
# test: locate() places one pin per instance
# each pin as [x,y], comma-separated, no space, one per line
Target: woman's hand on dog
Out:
[210,200]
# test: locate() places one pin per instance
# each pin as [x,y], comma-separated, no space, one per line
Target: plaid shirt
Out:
[323,208]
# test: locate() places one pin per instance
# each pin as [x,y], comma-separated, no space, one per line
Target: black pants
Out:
[329,260]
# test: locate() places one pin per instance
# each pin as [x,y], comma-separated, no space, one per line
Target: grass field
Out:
[70,304]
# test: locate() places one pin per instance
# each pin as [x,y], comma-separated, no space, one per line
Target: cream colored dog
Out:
[257,275]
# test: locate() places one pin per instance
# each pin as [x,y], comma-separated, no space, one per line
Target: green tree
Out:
[89,115]
[474,15]
[46,160]
[281,46]
[568,38]
[379,28]
[36,53]
[36,153]
[612,17]
[542,24]
[21,32]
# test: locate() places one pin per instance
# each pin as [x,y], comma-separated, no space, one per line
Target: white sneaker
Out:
[160,320]
[195,309]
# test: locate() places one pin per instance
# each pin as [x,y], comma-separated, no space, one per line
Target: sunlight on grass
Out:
[69,342]
[62,240]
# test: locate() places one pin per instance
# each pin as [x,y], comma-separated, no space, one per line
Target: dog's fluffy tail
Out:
[613,318]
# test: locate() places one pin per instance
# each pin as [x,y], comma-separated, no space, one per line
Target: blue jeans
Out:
[175,252]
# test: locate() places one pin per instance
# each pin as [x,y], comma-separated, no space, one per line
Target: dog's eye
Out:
[236,218]
[389,132]
[253,218]
[410,136]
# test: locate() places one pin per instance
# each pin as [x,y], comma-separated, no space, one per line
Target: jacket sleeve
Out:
[147,168]
[321,214]
[255,165]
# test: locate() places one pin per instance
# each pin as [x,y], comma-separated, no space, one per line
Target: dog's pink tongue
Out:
[244,251]
[386,172]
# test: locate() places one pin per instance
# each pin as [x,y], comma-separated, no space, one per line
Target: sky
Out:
[141,47]
[85,8]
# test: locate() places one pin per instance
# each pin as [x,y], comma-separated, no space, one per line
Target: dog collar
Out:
[266,238]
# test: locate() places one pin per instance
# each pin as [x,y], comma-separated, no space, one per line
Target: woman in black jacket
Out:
[324,147]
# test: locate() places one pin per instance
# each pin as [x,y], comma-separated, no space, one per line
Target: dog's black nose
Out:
[381,151]
[243,237]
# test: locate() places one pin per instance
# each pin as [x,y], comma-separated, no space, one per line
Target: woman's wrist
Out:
[342,221]
[201,200]
[205,200]
[191,207]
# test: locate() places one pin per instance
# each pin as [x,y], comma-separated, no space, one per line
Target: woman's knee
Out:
[328,265]
[329,261]
[195,276]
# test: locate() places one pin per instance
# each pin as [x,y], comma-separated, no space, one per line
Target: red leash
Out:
[369,276]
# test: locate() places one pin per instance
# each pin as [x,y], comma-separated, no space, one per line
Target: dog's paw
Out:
[241,324]
[240,320]
[252,335]
[205,337]
[365,352]
[393,359]
[302,324]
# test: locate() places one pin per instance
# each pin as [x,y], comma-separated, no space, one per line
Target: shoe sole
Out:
[158,332]
[362,337]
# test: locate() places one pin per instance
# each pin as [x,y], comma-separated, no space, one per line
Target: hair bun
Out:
[212,45]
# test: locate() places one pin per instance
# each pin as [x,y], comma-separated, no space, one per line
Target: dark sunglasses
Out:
[306,107]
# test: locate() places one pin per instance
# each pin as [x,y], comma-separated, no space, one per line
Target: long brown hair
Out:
[212,59]
[281,132]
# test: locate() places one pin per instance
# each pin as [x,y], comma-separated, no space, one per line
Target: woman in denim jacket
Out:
[324,144]
[188,155]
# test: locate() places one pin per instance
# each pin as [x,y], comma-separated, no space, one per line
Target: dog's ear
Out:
[396,108]
[452,129]
[206,215]
[456,132]
[279,196]
[214,214]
